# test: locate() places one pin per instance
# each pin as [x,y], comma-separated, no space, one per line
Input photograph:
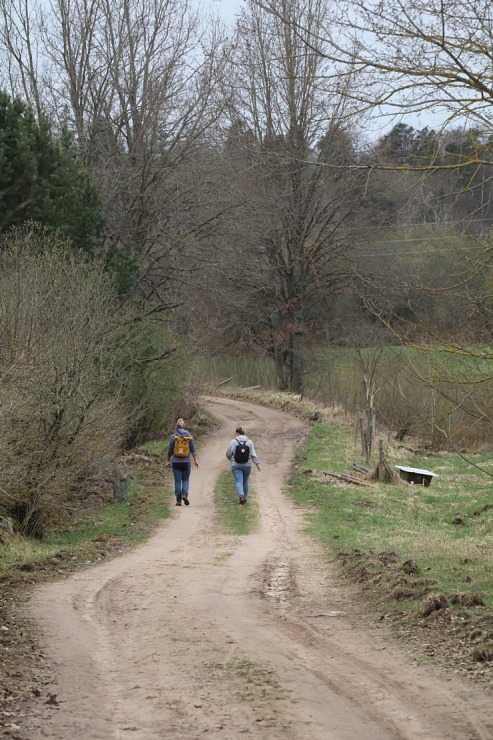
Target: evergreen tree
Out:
[42,180]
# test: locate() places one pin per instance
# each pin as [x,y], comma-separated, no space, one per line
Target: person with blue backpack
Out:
[180,448]
[240,451]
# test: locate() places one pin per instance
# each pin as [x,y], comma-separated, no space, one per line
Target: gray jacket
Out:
[230,452]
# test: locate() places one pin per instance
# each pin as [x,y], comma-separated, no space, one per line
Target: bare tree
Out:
[424,56]
[410,56]
[293,223]
[417,58]
[136,82]
[21,46]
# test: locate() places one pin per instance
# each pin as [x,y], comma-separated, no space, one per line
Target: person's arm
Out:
[230,450]
[253,455]
[171,446]
[194,453]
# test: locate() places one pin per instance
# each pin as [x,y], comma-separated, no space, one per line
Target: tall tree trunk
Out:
[279,354]
[280,366]
[297,369]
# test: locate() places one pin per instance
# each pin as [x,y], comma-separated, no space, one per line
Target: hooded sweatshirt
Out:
[171,446]
[230,452]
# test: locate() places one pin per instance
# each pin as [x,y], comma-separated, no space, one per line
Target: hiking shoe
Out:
[178,500]
[242,500]
[186,501]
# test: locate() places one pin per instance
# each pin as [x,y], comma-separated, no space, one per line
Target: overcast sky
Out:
[225,8]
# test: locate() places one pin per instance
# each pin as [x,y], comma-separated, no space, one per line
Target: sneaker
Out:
[178,500]
[186,501]
[242,500]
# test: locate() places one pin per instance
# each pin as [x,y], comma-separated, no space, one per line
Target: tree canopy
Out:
[42,179]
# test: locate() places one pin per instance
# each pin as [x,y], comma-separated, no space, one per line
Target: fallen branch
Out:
[224,381]
[345,478]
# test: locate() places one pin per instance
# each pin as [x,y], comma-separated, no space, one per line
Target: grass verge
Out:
[101,530]
[421,555]
[234,519]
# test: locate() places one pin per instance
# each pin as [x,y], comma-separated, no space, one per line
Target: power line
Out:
[417,239]
[420,252]
[393,227]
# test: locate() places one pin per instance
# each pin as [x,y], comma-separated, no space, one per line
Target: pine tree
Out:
[42,180]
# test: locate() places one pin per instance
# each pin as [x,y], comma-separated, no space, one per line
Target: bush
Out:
[61,409]
[155,371]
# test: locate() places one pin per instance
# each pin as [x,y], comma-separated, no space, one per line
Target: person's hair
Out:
[180,423]
[240,430]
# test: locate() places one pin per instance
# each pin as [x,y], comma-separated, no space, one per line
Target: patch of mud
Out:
[279,583]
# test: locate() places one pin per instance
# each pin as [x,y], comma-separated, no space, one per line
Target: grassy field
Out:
[442,396]
[445,530]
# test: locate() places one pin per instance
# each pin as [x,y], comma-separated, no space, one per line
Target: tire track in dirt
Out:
[197,633]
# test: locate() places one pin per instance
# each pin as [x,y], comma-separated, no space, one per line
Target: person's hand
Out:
[259,468]
[196,463]
[168,463]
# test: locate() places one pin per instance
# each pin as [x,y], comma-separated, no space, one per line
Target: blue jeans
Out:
[241,474]
[181,473]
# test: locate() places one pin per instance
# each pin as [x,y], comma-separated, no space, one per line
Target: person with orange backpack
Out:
[180,447]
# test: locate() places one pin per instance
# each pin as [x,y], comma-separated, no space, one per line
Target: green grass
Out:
[244,371]
[420,556]
[233,518]
[446,528]
[159,447]
[374,532]
[113,520]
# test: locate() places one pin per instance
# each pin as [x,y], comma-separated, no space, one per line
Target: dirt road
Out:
[200,635]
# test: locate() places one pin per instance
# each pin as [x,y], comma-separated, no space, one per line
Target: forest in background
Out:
[175,191]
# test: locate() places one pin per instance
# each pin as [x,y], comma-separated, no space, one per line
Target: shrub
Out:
[61,409]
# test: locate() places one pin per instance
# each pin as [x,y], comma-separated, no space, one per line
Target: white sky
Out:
[225,8]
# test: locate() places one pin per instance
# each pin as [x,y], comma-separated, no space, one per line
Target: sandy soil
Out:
[198,634]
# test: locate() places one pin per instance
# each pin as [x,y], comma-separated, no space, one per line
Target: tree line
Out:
[200,189]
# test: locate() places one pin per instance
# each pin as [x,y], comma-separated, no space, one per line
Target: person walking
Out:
[240,451]
[180,448]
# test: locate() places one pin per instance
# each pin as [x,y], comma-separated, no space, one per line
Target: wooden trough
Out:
[416,476]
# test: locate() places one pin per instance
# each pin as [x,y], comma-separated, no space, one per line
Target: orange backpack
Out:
[182,446]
